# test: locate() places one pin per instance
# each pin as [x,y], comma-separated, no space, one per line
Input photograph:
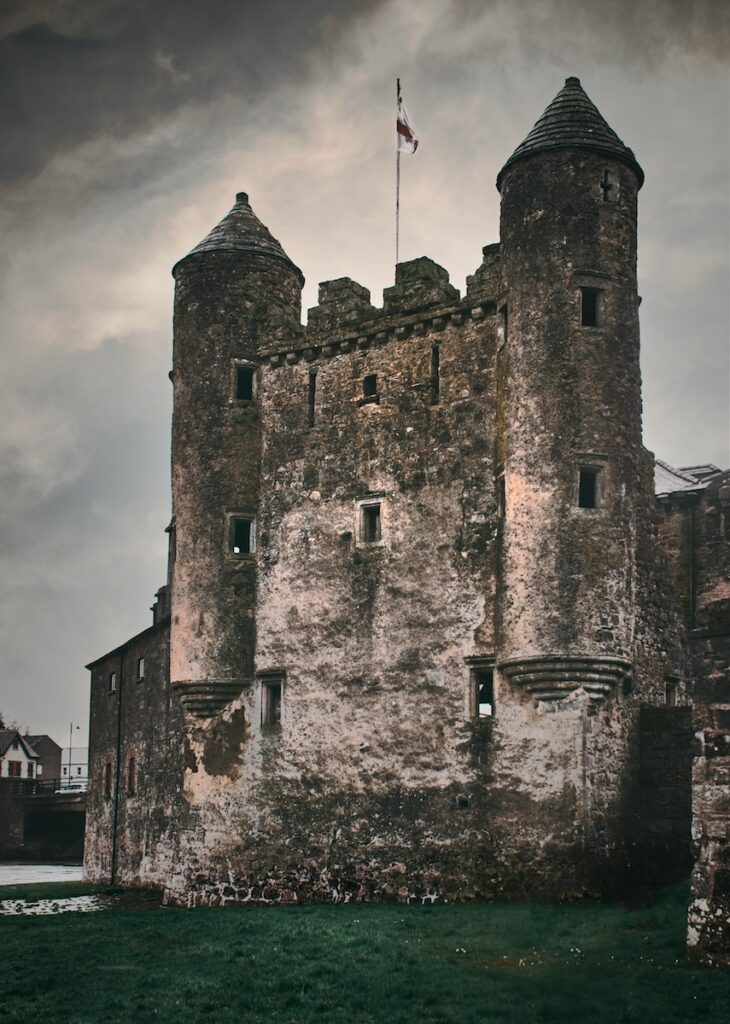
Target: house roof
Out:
[42,736]
[572,121]
[703,471]
[241,231]
[6,739]
[669,480]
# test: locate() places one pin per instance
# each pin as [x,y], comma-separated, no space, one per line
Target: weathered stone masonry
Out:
[383,520]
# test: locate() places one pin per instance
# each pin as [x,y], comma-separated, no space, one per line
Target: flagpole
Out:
[397,176]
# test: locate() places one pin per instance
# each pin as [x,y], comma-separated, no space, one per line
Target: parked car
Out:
[72,787]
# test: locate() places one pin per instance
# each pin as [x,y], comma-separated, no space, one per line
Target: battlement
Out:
[421,300]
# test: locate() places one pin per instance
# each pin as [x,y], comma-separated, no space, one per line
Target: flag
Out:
[405,136]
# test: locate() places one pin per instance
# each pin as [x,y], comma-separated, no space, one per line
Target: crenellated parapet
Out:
[341,302]
[485,283]
[419,284]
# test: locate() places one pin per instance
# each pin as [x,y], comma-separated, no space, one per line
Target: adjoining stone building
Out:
[419,637]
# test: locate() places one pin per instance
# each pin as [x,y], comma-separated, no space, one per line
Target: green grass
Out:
[358,964]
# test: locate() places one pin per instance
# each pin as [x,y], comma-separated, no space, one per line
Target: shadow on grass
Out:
[361,964]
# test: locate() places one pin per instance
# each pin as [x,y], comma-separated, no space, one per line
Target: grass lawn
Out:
[356,964]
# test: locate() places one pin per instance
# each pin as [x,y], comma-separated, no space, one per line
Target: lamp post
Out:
[70,744]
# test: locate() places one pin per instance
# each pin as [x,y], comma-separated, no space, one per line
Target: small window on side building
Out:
[140,669]
[112,682]
[30,769]
[589,300]
[244,383]
[671,683]
[588,488]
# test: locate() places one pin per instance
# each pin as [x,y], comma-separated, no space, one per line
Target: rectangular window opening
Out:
[140,669]
[312,397]
[435,374]
[271,703]
[589,307]
[132,776]
[501,497]
[370,386]
[588,488]
[108,780]
[242,536]
[30,769]
[244,383]
[112,682]
[670,692]
[371,523]
[483,692]
[14,769]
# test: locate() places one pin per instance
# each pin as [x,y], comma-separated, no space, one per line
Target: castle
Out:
[427,633]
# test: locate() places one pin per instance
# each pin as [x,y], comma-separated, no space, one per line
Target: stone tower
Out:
[235,288]
[570,451]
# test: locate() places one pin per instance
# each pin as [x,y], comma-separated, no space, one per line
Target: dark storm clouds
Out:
[69,71]
[126,127]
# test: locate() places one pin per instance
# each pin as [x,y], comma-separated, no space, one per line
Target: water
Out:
[17,874]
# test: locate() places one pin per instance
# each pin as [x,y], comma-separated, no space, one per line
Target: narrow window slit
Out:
[588,488]
[670,691]
[435,374]
[370,386]
[503,326]
[241,536]
[370,523]
[501,497]
[589,307]
[271,703]
[311,397]
[244,383]
[484,692]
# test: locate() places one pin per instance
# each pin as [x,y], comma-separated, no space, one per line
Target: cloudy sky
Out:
[128,126]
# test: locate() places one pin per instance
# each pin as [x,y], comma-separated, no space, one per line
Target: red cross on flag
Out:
[405,136]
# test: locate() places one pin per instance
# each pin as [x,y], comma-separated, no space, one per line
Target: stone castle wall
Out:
[409,483]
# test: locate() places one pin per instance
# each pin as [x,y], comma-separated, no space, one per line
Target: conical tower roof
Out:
[241,231]
[572,122]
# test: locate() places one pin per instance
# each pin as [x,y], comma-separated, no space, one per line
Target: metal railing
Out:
[49,787]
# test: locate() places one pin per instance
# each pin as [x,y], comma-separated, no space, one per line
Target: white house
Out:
[18,759]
